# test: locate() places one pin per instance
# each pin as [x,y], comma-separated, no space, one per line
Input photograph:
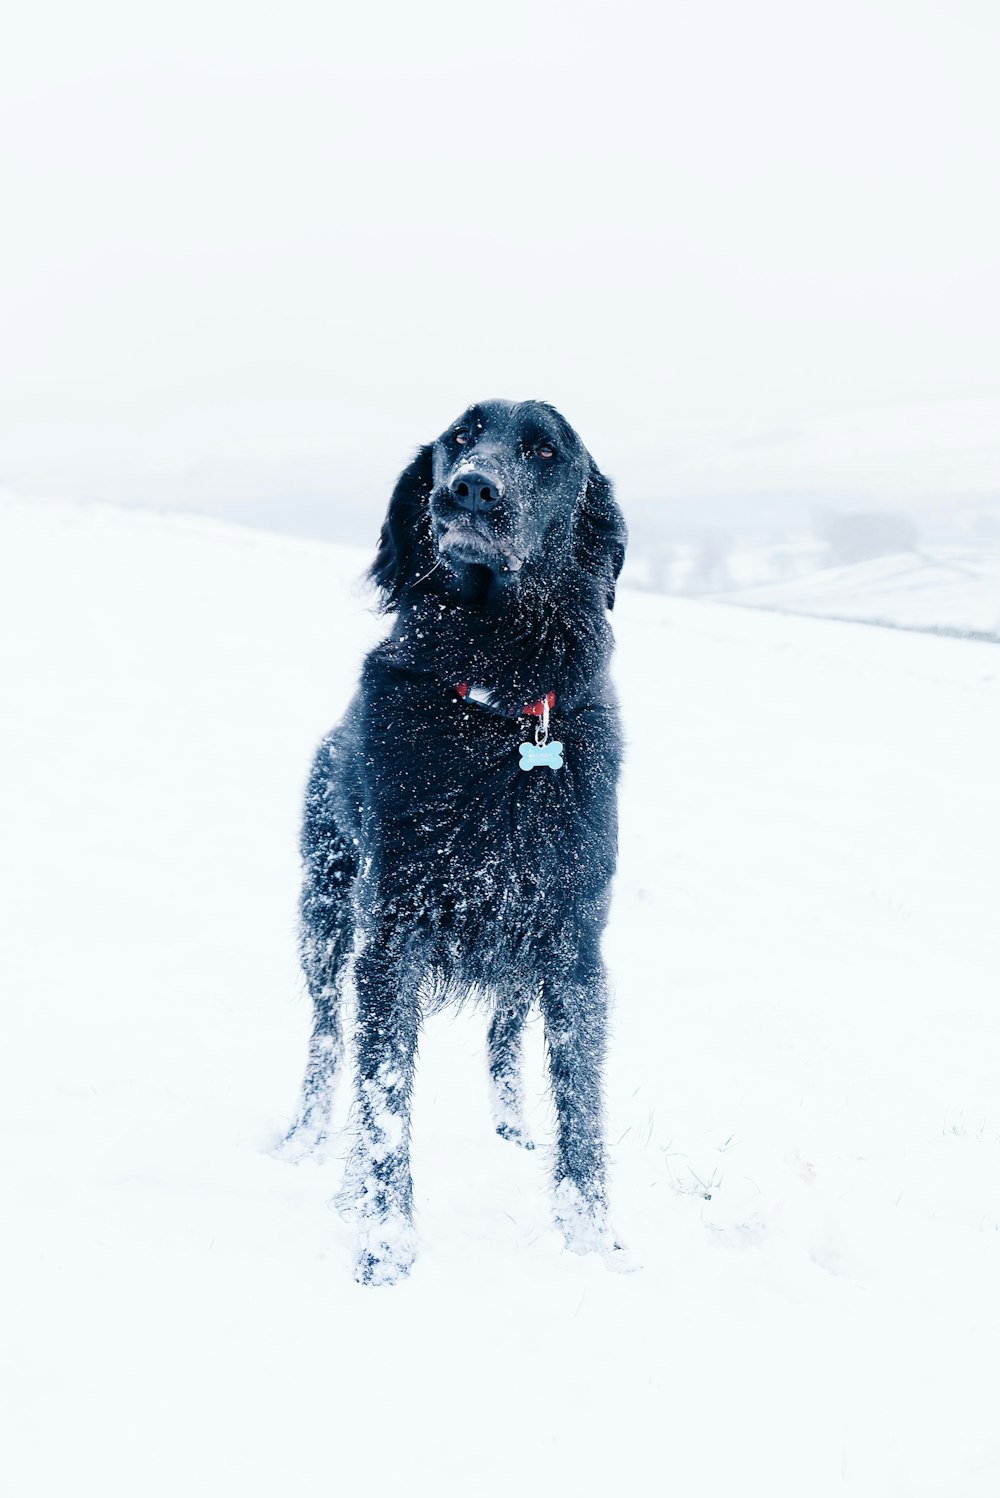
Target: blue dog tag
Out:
[542,754]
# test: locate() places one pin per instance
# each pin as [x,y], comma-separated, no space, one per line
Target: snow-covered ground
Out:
[948,588]
[803,1089]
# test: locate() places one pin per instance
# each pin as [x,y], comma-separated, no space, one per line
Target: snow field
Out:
[949,589]
[802,1085]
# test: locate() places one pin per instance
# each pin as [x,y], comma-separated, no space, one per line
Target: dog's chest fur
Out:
[456,837]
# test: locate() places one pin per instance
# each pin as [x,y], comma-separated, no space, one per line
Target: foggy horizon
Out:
[749,252]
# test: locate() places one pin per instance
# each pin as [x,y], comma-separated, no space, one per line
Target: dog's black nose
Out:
[476,491]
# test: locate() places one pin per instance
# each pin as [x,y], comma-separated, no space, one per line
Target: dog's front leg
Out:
[574,1006]
[378,1190]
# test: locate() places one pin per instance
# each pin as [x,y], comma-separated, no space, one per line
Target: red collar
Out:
[529,710]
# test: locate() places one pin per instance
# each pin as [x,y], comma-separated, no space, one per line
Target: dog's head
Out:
[508,491]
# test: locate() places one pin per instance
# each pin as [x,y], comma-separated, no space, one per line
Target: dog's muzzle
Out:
[468,521]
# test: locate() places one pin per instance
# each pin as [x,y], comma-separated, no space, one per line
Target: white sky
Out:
[260,236]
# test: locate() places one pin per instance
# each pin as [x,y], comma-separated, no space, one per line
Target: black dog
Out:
[462,819]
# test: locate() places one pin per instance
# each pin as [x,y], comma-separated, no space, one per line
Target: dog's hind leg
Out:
[326,940]
[503,1045]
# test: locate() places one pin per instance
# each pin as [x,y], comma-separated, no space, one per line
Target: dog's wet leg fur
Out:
[503,1044]
[574,1004]
[309,1134]
[378,1191]
[326,941]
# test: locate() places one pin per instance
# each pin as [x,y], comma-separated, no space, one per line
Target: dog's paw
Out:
[516,1135]
[618,1260]
[581,1220]
[386,1251]
[585,1228]
[307,1139]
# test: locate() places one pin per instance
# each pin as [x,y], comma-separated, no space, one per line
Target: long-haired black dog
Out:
[461,822]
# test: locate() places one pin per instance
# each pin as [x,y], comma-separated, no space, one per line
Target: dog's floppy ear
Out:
[601,533]
[404,547]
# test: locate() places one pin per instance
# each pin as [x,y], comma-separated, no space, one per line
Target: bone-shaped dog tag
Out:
[542,754]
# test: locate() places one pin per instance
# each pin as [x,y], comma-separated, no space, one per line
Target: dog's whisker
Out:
[428,572]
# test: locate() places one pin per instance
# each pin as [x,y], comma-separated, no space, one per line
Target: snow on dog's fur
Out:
[454,870]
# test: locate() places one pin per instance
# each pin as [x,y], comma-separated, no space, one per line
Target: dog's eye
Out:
[461,438]
[544,451]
